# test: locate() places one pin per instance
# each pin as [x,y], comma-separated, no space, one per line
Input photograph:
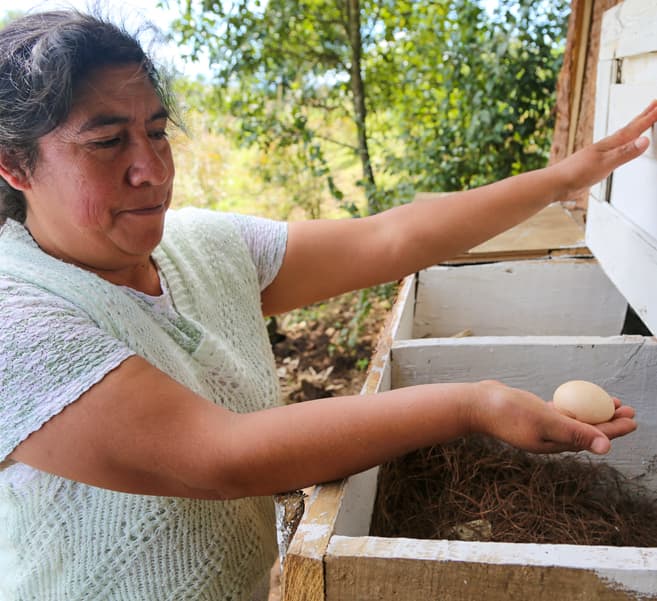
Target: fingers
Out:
[617,427]
[624,411]
[577,436]
[633,149]
[567,434]
[641,122]
[571,435]
[645,114]
[596,438]
[628,136]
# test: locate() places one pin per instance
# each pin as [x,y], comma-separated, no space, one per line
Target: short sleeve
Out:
[51,352]
[266,240]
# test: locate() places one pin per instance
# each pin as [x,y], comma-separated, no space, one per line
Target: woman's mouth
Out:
[151,210]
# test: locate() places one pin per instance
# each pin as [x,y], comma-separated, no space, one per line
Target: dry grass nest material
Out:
[480,489]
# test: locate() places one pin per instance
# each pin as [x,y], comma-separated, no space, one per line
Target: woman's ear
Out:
[12,171]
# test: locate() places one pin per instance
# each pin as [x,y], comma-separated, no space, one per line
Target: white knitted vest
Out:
[67,541]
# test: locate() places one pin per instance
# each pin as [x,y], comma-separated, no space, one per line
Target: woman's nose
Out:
[149,164]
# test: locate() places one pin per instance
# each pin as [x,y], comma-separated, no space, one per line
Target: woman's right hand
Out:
[596,161]
[526,421]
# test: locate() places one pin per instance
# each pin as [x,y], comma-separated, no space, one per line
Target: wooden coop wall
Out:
[575,106]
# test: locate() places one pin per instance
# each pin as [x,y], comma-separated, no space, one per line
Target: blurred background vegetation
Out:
[329,108]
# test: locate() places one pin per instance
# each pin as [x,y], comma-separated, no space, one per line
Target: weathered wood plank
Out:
[557,297]
[624,236]
[625,366]
[583,121]
[303,571]
[398,326]
[610,33]
[628,257]
[550,229]
[638,19]
[580,69]
[371,569]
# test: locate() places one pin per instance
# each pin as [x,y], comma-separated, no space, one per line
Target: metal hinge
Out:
[618,70]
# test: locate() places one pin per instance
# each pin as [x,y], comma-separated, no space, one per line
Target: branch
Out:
[337,142]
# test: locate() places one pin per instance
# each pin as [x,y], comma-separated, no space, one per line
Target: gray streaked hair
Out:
[44,57]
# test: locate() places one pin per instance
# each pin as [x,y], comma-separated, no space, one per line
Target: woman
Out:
[141,432]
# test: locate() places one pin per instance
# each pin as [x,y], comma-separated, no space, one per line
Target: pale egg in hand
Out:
[585,401]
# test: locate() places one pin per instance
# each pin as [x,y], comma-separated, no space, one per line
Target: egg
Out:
[585,401]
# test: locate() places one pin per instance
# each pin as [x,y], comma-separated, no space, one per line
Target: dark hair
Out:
[44,57]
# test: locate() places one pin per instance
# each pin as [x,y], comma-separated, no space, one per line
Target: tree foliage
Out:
[440,95]
[474,93]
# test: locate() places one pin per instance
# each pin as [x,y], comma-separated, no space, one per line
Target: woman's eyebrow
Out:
[104,120]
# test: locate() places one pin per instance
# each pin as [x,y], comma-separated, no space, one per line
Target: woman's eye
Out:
[109,143]
[158,134]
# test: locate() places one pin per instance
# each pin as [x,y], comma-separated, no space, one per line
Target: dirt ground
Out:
[324,350]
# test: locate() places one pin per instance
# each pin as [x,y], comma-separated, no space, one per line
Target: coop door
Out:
[622,214]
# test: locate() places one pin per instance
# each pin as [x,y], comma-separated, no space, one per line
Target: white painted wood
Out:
[355,512]
[638,22]
[553,297]
[402,326]
[399,325]
[634,185]
[575,556]
[624,569]
[623,236]
[605,73]
[629,257]
[625,366]
[610,32]
[639,70]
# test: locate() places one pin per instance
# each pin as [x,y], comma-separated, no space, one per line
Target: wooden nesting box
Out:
[535,322]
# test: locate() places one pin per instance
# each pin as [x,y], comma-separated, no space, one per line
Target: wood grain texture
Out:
[371,569]
[550,229]
[555,297]
[303,571]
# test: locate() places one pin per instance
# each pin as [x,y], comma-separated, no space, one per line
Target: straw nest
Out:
[480,489]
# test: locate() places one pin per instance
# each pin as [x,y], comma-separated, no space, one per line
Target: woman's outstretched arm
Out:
[327,257]
[139,431]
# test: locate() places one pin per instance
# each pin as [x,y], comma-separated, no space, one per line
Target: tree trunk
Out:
[360,110]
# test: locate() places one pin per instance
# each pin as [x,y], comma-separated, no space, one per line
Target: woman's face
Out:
[103,180]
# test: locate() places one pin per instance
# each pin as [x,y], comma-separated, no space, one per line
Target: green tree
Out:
[473,94]
[279,65]
[442,94]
